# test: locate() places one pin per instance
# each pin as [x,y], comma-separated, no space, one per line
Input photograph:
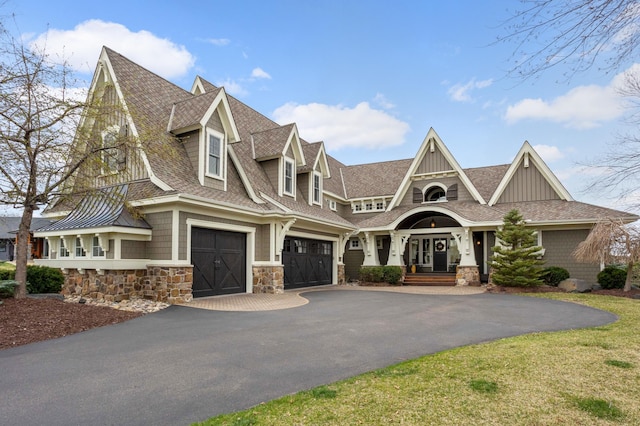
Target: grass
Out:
[6,266]
[582,377]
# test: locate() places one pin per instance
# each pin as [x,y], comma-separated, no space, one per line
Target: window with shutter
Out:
[417,195]
[452,192]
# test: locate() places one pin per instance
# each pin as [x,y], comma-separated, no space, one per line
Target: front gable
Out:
[529,179]
[432,163]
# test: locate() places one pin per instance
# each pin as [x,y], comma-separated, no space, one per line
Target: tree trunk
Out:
[627,282]
[22,252]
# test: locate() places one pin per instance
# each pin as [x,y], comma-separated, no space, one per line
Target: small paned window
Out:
[63,251]
[214,167]
[354,244]
[80,251]
[358,207]
[288,177]
[316,188]
[379,206]
[96,250]
[369,206]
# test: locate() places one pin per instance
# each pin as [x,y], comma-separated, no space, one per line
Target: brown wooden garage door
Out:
[307,262]
[219,262]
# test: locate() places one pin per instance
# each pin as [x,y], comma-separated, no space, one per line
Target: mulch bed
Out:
[29,320]
[632,294]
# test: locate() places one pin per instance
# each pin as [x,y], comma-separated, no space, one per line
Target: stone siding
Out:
[268,279]
[467,275]
[169,284]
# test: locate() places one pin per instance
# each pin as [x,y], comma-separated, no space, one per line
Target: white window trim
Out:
[429,187]
[222,153]
[314,200]
[63,249]
[78,245]
[290,161]
[332,204]
[98,246]
[354,244]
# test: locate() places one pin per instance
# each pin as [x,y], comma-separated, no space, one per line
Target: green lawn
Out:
[581,377]
[6,266]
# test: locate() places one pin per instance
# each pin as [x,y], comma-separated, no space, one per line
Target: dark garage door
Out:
[307,262]
[219,262]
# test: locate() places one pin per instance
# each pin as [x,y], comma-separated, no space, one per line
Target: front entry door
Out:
[440,255]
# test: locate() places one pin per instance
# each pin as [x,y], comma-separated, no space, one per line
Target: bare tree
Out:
[38,139]
[610,242]
[579,34]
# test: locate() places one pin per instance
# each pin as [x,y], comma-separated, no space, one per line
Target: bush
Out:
[7,288]
[612,277]
[392,274]
[553,275]
[43,279]
[7,274]
[379,274]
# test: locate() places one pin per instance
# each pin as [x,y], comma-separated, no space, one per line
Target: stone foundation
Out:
[467,275]
[268,279]
[169,284]
[342,278]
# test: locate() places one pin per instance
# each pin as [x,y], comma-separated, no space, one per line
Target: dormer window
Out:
[214,154]
[435,193]
[289,176]
[317,188]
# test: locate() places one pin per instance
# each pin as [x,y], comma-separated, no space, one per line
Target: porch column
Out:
[368,241]
[467,272]
[397,248]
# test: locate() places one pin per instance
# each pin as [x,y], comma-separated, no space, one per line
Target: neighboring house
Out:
[243,204]
[8,232]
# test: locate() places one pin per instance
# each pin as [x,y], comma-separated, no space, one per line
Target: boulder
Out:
[575,285]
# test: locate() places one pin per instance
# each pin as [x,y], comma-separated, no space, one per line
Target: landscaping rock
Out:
[576,285]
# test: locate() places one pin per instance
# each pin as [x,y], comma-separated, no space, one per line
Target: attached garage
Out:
[219,262]
[307,262]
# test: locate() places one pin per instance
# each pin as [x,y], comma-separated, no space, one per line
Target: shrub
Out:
[7,274]
[553,275]
[373,274]
[379,274]
[392,274]
[43,279]
[7,288]
[612,277]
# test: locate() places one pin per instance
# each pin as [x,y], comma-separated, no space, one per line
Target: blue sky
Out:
[369,78]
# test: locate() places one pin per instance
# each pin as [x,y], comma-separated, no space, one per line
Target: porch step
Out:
[435,279]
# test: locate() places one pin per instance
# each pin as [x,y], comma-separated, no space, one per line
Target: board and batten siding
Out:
[559,247]
[527,184]
[159,248]
[433,162]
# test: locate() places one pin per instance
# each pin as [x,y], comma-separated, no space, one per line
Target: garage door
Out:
[307,262]
[219,262]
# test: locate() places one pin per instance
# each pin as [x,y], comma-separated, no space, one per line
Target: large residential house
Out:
[234,202]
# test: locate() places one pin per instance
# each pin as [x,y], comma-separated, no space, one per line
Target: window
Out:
[288,177]
[3,246]
[317,182]
[379,205]
[109,153]
[379,243]
[332,205]
[96,250]
[368,206]
[80,251]
[354,244]
[435,193]
[214,156]
[358,207]
[63,251]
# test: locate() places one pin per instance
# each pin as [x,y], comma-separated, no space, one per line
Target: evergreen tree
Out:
[515,258]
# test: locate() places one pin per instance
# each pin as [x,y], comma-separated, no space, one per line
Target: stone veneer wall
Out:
[342,278]
[268,279]
[467,275]
[169,284]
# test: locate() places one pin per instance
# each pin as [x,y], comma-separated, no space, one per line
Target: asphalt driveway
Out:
[182,365]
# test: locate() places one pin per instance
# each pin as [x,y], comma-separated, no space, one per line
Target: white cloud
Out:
[233,87]
[582,107]
[382,101]
[219,41]
[342,127]
[549,153]
[81,47]
[462,92]
[260,73]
